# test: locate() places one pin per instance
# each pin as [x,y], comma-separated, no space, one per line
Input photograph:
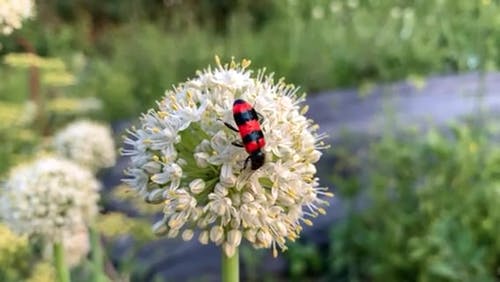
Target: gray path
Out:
[441,100]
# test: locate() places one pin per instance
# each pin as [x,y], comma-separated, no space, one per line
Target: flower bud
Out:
[197,186]
[216,234]
[234,237]
[160,228]
[203,238]
[187,234]
[155,197]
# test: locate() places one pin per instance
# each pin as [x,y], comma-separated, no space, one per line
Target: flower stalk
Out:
[97,256]
[230,267]
[62,270]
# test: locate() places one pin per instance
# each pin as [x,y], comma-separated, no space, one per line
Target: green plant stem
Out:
[62,270]
[230,267]
[97,256]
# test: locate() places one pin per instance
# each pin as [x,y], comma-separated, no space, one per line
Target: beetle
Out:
[247,121]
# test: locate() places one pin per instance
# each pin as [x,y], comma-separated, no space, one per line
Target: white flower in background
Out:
[181,156]
[87,143]
[318,12]
[13,12]
[49,197]
[335,6]
[353,3]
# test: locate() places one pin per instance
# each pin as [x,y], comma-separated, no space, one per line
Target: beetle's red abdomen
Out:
[248,125]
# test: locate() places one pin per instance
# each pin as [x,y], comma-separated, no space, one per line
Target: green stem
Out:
[230,267]
[62,270]
[97,256]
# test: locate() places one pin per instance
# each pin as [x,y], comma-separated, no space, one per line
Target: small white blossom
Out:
[87,143]
[49,197]
[13,12]
[184,149]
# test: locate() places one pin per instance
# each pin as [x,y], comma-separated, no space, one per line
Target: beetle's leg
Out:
[260,116]
[237,144]
[246,163]
[228,125]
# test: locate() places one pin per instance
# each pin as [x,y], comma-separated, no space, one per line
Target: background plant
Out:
[317,44]
[433,213]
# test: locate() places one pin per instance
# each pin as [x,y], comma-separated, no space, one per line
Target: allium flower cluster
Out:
[13,12]
[182,157]
[87,143]
[48,198]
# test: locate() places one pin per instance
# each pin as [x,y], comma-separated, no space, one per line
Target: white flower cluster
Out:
[13,12]
[49,197]
[182,156]
[87,143]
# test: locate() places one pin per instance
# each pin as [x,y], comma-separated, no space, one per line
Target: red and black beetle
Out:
[247,120]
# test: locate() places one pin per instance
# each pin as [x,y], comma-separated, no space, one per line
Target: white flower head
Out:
[13,12]
[48,197]
[182,156]
[87,143]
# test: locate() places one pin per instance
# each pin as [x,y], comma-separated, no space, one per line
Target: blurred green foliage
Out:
[131,51]
[117,226]
[431,209]
[14,256]
[36,104]
[304,261]
[42,272]
[18,141]
[19,261]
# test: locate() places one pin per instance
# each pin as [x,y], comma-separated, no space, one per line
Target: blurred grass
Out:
[420,207]
[131,51]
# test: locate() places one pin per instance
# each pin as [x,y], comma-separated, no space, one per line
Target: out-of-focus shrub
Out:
[137,50]
[42,272]
[14,256]
[432,213]
[17,139]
